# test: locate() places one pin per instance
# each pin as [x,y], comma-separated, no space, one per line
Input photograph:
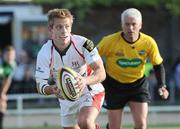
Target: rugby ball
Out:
[66,82]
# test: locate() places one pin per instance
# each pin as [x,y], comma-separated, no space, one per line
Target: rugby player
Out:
[7,67]
[80,54]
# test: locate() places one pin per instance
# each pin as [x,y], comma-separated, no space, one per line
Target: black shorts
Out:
[117,94]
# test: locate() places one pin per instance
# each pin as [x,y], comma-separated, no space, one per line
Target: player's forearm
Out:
[97,77]
[5,86]
[43,86]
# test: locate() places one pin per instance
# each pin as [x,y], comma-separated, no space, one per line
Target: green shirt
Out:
[6,70]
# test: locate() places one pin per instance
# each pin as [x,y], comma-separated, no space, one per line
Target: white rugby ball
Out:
[67,84]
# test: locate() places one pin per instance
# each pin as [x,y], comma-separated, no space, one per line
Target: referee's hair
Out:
[132,12]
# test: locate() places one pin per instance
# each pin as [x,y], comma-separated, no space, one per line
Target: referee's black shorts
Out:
[117,94]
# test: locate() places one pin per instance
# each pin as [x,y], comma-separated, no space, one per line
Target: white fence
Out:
[20,112]
[19,98]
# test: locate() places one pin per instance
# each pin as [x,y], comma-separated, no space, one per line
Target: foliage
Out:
[82,6]
[173,6]
[46,1]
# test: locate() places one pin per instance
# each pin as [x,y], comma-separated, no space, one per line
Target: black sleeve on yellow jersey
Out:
[160,74]
[89,45]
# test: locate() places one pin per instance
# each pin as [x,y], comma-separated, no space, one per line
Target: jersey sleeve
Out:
[103,47]
[13,67]
[154,54]
[42,65]
[90,52]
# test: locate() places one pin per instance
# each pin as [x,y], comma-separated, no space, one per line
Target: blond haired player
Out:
[78,53]
[126,53]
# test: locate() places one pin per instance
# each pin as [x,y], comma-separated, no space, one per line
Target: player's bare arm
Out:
[5,86]
[98,75]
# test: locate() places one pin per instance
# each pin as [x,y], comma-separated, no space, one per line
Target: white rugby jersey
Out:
[77,56]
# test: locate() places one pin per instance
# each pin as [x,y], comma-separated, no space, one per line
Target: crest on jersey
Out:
[89,45]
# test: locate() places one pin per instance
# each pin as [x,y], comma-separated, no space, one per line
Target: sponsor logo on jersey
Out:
[142,52]
[39,70]
[129,63]
[89,45]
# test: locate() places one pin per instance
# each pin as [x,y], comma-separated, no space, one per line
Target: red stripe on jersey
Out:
[51,58]
[78,50]
[89,70]
[98,100]
[97,126]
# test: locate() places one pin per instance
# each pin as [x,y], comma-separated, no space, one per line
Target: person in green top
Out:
[7,66]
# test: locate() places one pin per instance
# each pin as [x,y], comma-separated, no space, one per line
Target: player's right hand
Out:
[57,92]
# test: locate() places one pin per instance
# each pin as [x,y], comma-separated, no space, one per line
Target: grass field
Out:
[126,127]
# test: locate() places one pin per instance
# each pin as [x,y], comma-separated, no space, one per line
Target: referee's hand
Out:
[163,92]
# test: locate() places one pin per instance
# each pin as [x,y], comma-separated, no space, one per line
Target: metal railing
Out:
[19,107]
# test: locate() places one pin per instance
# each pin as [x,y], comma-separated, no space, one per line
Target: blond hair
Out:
[58,13]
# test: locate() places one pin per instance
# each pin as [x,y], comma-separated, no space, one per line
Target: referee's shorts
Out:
[117,94]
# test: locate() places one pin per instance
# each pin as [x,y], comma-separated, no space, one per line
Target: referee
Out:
[126,53]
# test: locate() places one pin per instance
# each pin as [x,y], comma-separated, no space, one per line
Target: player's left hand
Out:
[163,92]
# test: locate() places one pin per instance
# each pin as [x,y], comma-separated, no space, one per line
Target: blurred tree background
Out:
[96,18]
[81,7]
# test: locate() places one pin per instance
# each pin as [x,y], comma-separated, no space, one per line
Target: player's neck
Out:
[61,45]
[131,38]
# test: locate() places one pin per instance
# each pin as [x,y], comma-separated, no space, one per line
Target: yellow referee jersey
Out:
[125,62]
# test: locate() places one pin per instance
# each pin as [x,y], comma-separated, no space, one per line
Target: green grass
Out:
[125,127]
